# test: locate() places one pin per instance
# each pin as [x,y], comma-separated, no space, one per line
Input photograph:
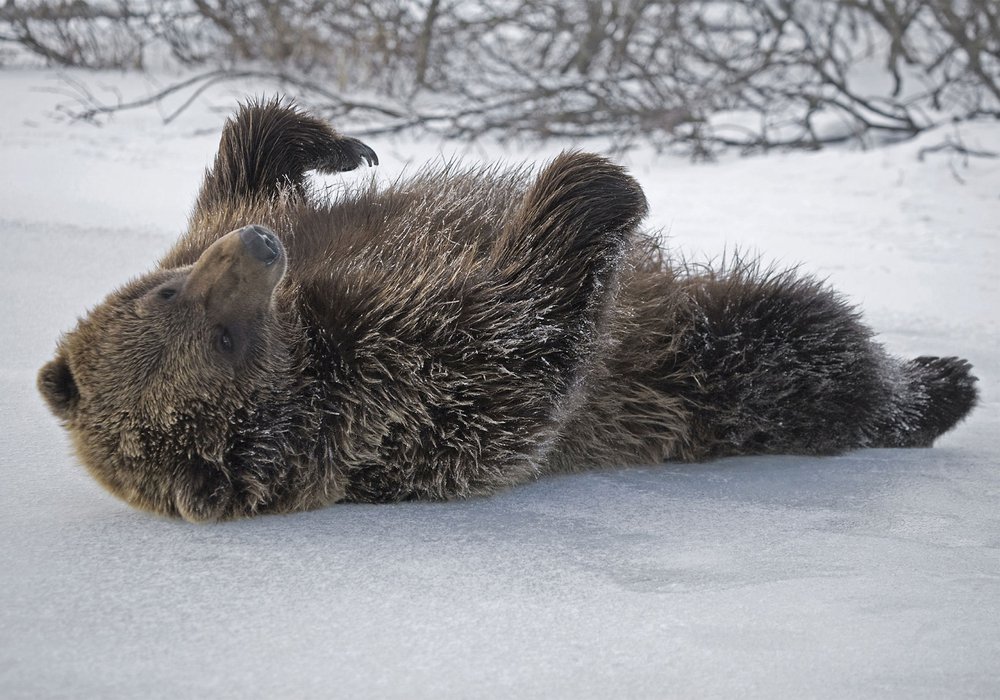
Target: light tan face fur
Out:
[151,381]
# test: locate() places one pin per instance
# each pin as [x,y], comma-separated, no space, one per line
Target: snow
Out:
[875,573]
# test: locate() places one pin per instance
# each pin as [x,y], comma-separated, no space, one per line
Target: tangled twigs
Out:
[88,107]
[699,75]
[953,144]
[956,147]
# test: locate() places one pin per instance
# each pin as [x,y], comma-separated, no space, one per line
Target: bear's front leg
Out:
[267,147]
[264,153]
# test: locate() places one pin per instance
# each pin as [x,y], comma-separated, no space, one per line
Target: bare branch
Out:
[700,75]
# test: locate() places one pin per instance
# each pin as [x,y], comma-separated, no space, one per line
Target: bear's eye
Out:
[167,294]
[224,340]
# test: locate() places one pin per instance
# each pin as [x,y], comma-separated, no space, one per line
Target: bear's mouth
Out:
[261,243]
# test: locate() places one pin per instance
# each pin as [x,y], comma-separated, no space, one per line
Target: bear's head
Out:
[169,387]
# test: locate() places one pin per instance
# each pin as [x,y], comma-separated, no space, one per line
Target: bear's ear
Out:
[58,387]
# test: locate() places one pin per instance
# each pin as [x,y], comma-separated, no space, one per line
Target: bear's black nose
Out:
[261,243]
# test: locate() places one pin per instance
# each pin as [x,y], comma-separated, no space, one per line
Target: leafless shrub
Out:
[704,74]
[97,35]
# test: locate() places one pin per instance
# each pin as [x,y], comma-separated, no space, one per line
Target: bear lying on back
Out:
[451,335]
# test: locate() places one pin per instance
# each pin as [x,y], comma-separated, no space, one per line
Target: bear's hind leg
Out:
[786,366]
[932,394]
[506,364]
[561,254]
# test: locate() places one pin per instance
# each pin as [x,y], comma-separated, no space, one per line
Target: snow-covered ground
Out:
[872,574]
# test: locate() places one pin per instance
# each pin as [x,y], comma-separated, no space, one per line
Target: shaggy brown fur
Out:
[451,335]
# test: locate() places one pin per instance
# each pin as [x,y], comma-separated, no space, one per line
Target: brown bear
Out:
[451,335]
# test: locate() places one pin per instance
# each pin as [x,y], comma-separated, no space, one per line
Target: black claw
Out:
[361,152]
[356,153]
[346,154]
[369,155]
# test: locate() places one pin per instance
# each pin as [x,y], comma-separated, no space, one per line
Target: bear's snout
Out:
[239,272]
[261,243]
